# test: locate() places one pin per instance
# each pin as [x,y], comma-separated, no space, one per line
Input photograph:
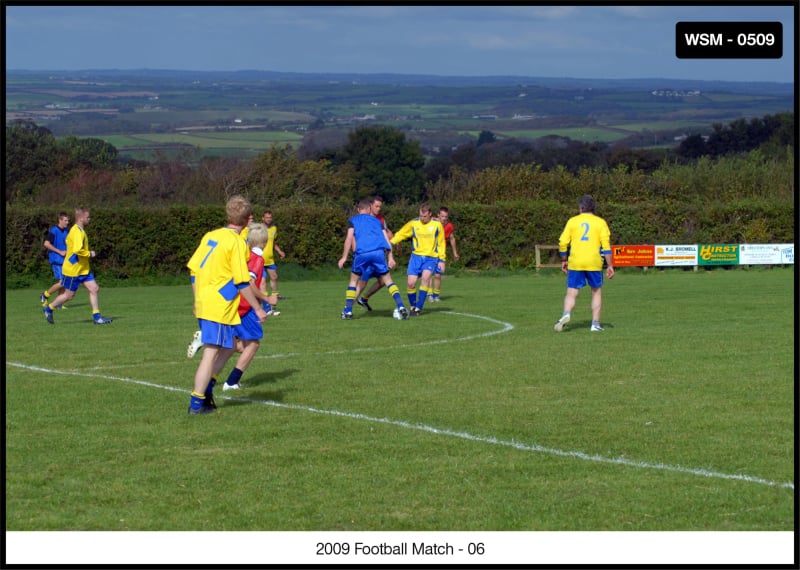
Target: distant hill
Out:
[646,84]
[254,109]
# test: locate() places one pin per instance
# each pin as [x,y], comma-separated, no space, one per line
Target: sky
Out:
[558,40]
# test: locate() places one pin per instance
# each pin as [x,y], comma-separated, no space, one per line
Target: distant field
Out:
[658,126]
[735,97]
[106,103]
[188,118]
[209,142]
[423,111]
[578,134]
[202,139]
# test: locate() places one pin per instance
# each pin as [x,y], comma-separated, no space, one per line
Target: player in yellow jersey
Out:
[76,272]
[427,253]
[220,276]
[583,244]
[270,269]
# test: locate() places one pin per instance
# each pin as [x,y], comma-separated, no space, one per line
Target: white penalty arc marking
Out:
[438,431]
[504,328]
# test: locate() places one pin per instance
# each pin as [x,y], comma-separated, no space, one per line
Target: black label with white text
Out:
[729,40]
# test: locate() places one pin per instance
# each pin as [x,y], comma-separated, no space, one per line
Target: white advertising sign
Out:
[757,253]
[787,253]
[673,255]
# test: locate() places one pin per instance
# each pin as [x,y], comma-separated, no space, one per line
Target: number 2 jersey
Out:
[587,238]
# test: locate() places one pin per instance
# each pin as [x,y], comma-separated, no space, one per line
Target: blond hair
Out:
[238,210]
[257,235]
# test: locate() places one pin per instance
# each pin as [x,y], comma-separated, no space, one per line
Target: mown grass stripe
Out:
[439,431]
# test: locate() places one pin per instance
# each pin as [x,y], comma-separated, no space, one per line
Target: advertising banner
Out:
[718,254]
[692,255]
[675,255]
[757,254]
[787,253]
[632,255]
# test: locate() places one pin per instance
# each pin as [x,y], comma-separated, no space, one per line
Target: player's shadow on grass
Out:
[447,298]
[376,313]
[434,308]
[71,304]
[384,313]
[253,388]
[83,320]
[262,378]
[246,397]
[582,326]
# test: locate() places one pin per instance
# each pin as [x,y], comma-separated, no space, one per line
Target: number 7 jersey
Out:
[219,266]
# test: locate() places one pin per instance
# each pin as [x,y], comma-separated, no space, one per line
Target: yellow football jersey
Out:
[220,270]
[427,239]
[587,238]
[269,248]
[76,262]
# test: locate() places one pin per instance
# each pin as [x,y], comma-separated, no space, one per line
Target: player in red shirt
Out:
[449,237]
[250,331]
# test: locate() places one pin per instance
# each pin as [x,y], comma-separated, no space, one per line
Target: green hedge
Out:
[142,242]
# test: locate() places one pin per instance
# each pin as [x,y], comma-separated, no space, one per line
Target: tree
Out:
[485,137]
[438,167]
[277,176]
[32,157]
[641,159]
[385,162]
[692,147]
[783,136]
[89,152]
[743,136]
[321,143]
[316,125]
[464,157]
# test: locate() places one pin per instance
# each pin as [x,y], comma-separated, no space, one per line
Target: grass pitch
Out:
[474,416]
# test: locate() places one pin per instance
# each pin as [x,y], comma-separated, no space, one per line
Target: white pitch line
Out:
[505,327]
[438,431]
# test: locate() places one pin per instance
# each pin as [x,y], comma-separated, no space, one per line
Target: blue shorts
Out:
[56,267]
[272,266]
[577,279]
[419,263]
[74,283]
[250,328]
[370,264]
[371,272]
[216,333]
